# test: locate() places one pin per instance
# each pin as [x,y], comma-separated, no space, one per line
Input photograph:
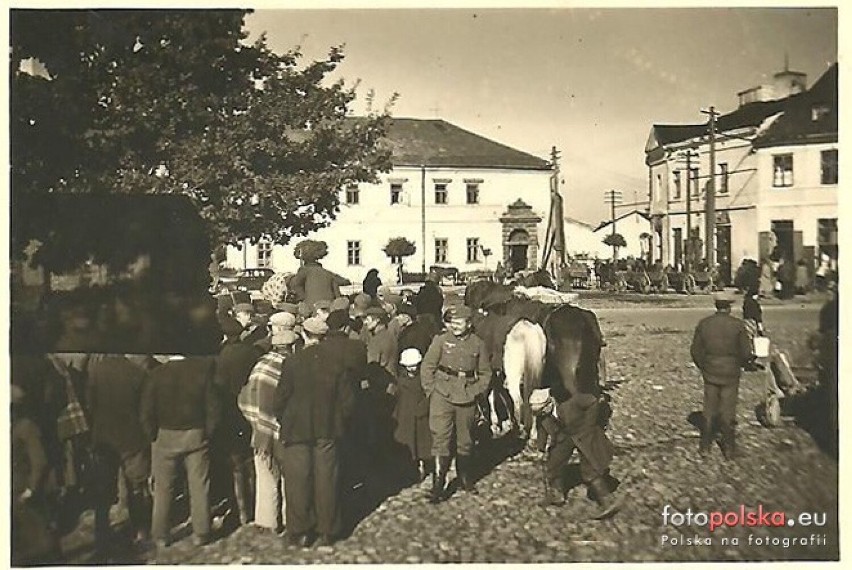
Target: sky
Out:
[590,81]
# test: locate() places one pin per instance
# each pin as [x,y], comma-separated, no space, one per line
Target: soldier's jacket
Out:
[456,368]
[720,348]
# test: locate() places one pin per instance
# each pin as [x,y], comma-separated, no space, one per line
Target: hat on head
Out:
[375,312]
[410,357]
[459,312]
[337,320]
[16,393]
[322,304]
[723,297]
[360,304]
[305,310]
[291,308]
[340,304]
[244,308]
[383,291]
[283,337]
[283,320]
[315,326]
[406,309]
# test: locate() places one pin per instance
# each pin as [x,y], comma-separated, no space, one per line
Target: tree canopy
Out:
[400,247]
[615,240]
[175,102]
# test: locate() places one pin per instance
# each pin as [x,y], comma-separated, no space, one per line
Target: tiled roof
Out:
[797,124]
[604,224]
[435,142]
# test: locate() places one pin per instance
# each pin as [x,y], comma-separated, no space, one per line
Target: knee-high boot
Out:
[463,466]
[439,478]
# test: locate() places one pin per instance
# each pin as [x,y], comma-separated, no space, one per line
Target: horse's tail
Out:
[523,359]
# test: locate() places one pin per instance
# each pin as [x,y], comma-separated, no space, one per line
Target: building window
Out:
[264,253]
[472,193]
[782,168]
[473,250]
[440,193]
[677,184]
[441,250]
[693,183]
[819,111]
[353,252]
[723,178]
[828,166]
[352,194]
[396,193]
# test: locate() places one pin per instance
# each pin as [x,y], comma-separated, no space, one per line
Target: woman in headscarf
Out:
[372,282]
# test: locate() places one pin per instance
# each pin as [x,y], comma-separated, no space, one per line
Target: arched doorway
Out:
[519,244]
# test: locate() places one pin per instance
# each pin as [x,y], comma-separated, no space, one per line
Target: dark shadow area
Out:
[812,413]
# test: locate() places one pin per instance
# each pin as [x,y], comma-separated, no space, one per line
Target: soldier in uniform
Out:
[720,348]
[454,372]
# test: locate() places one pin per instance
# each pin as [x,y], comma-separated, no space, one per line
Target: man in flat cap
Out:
[313,403]
[721,347]
[454,372]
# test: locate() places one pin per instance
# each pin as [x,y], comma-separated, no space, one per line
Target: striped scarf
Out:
[256,401]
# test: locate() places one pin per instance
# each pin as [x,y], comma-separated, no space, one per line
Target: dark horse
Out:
[546,346]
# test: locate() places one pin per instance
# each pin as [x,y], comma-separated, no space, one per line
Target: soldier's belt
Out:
[459,373]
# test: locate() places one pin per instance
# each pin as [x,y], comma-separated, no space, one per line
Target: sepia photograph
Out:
[343,284]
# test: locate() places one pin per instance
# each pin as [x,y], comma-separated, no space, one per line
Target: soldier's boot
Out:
[439,479]
[728,443]
[463,465]
[553,494]
[707,434]
[610,503]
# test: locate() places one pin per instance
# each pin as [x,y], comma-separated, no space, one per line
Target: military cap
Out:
[341,303]
[459,312]
[243,308]
[315,326]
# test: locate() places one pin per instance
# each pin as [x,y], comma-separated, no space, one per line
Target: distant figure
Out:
[372,282]
[767,281]
[313,283]
[499,273]
[430,299]
[802,277]
[412,413]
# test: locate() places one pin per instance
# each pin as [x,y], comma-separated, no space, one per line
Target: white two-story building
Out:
[776,176]
[453,193]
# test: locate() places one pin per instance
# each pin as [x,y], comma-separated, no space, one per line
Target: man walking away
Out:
[313,401]
[115,393]
[180,411]
[721,347]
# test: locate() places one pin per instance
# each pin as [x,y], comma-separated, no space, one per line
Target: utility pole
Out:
[689,154]
[613,197]
[710,198]
[423,218]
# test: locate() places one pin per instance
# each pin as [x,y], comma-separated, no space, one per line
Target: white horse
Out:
[523,362]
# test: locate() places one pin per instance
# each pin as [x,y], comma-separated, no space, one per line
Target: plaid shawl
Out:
[256,401]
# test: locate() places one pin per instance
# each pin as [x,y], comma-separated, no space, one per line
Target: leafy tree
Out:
[310,250]
[615,241]
[174,102]
[400,248]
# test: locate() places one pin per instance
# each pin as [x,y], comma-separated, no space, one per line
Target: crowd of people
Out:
[300,411]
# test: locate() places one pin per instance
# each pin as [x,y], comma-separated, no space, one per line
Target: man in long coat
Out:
[721,347]
[313,402]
